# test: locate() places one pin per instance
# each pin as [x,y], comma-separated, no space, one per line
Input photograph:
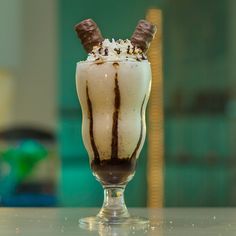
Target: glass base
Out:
[96,223]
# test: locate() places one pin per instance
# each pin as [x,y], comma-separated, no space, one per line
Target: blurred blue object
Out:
[24,157]
[26,176]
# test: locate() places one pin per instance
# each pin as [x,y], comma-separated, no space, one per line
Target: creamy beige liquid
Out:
[113,97]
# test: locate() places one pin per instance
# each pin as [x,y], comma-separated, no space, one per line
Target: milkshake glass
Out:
[113,86]
[113,96]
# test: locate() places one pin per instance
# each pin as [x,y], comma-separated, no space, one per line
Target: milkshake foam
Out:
[120,50]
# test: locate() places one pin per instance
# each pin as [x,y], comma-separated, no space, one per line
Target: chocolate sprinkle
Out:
[128,50]
[117,50]
[133,49]
[106,52]
[100,51]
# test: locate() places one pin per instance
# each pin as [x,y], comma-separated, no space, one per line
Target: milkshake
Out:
[113,86]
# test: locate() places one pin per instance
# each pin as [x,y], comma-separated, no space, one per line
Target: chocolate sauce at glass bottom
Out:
[114,171]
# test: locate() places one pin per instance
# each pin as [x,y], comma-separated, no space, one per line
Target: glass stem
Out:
[114,204]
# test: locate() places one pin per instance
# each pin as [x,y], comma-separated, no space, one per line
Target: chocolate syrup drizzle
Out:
[114,143]
[114,170]
[141,132]
[90,109]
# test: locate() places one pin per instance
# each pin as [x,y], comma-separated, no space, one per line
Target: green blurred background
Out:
[42,158]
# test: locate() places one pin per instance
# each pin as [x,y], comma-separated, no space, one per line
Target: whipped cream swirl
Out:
[119,50]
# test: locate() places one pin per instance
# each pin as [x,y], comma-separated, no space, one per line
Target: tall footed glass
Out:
[113,97]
